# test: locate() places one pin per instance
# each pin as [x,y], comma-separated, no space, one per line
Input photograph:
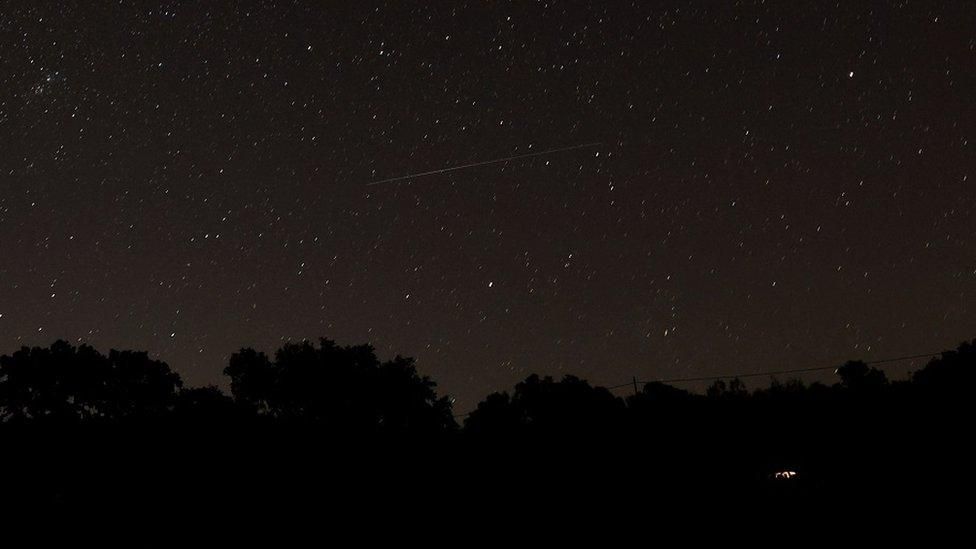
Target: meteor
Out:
[483,163]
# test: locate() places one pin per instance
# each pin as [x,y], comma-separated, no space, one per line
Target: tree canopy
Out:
[344,387]
[64,383]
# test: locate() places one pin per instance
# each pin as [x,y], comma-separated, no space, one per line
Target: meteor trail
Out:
[484,163]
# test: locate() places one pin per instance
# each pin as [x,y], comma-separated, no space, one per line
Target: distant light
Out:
[784,475]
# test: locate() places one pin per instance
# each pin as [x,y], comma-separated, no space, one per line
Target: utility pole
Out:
[635,385]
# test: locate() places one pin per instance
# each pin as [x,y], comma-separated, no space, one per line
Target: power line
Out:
[773,372]
[754,374]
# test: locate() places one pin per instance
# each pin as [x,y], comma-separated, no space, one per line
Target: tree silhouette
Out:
[347,388]
[659,395]
[542,405]
[63,383]
[207,405]
[857,376]
[252,379]
[952,372]
[735,388]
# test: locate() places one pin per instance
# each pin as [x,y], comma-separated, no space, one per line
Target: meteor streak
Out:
[484,163]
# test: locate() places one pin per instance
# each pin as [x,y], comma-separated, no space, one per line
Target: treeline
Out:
[336,422]
[342,388]
[348,389]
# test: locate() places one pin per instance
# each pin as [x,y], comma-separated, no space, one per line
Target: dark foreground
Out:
[282,486]
[326,443]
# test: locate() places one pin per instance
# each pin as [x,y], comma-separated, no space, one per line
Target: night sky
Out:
[778,184]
